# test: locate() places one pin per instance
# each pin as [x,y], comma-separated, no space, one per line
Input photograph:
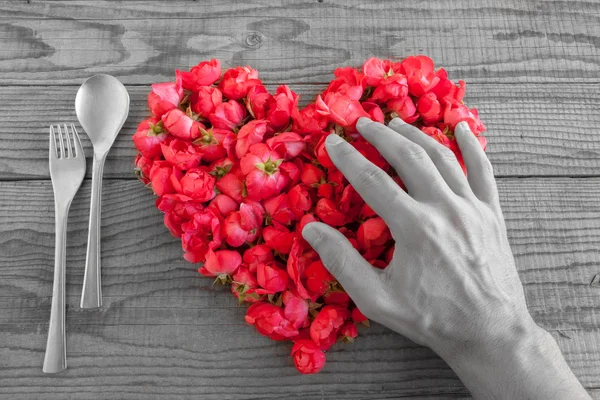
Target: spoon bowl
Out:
[102,106]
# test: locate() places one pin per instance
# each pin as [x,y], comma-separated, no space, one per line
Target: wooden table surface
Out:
[532,68]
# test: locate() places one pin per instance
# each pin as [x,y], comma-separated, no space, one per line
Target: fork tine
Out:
[78,146]
[62,145]
[53,143]
[69,144]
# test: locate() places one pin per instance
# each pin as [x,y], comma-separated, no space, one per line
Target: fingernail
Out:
[333,140]
[462,126]
[310,233]
[397,122]
[362,122]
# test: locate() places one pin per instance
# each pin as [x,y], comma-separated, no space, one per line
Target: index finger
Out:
[375,186]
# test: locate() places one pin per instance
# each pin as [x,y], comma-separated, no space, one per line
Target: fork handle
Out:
[91,296]
[55,359]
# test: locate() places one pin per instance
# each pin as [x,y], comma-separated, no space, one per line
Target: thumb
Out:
[357,276]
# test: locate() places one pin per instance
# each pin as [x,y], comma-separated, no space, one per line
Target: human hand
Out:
[452,284]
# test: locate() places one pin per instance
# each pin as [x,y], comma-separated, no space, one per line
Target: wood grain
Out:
[297,41]
[533,129]
[166,330]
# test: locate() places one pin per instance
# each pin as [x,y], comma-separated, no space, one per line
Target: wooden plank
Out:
[533,129]
[54,42]
[165,329]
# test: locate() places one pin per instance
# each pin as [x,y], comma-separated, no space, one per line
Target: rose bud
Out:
[321,153]
[308,357]
[260,253]
[244,285]
[429,108]
[148,137]
[278,238]
[348,332]
[341,109]
[376,70]
[227,115]
[197,184]
[374,111]
[420,74]
[200,234]
[142,168]
[373,232]
[318,279]
[325,326]
[160,178]
[257,100]
[211,142]
[232,185]
[328,213]
[270,321]
[289,144]
[204,101]
[178,124]
[165,97]
[261,167]
[249,134]
[292,172]
[220,264]
[394,87]
[348,81]
[306,219]
[204,74]
[405,108]
[271,278]
[299,200]
[301,255]
[456,112]
[337,298]
[252,216]
[238,81]
[295,309]
[308,120]
[358,317]
[281,106]
[180,154]
[279,209]
[224,205]
[312,175]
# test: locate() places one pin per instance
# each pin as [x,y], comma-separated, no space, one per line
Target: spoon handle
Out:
[91,296]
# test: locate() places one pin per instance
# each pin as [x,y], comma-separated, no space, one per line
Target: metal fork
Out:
[67,169]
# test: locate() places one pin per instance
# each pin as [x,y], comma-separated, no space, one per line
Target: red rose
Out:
[165,97]
[232,185]
[375,112]
[220,263]
[420,74]
[299,200]
[244,285]
[227,115]
[405,108]
[142,168]
[349,81]
[438,135]
[357,316]
[200,234]
[257,100]
[456,112]
[321,153]
[429,108]
[298,260]
[211,143]
[341,109]
[328,213]
[376,70]
[271,278]
[325,326]
[149,136]
[203,74]
[348,332]
[373,232]
[270,321]
[260,253]
[370,152]
[160,178]
[393,88]
[279,238]
[261,167]
[224,205]
[318,279]
[279,210]
[288,144]
[238,81]
[180,154]
[308,357]
[337,298]
[308,120]
[295,310]
[180,125]
[238,228]
[251,133]
[205,100]
[196,183]
[312,175]
[281,106]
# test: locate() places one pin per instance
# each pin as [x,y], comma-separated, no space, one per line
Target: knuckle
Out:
[370,177]
[412,153]
[442,153]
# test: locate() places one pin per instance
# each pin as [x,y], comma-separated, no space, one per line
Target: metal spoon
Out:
[102,106]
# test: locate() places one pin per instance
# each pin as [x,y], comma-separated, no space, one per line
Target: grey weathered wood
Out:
[297,41]
[533,129]
[166,330]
